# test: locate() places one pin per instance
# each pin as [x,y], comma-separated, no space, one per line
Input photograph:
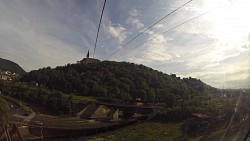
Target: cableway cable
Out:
[150,27]
[166,31]
[99,27]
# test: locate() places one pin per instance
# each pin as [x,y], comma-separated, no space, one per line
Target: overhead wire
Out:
[131,40]
[99,27]
[166,32]
[202,14]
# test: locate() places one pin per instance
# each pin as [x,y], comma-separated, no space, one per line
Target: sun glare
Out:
[230,20]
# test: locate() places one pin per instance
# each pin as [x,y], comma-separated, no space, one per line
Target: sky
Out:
[214,47]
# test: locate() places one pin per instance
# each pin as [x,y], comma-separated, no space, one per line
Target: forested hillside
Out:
[6,65]
[120,80]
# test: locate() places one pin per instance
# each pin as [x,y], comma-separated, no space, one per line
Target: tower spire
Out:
[87,54]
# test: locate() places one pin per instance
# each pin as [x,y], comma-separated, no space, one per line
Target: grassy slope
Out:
[61,122]
[20,103]
[148,131]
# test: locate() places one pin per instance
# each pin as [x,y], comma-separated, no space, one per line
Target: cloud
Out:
[246,46]
[118,32]
[51,33]
[158,26]
[154,51]
[223,73]
[217,64]
[135,22]
[133,13]
[133,19]
[239,83]
[160,39]
[40,35]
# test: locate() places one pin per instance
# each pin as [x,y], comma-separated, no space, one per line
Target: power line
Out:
[204,13]
[150,27]
[167,31]
[99,27]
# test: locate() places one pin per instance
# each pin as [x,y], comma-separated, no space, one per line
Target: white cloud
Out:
[51,33]
[160,39]
[222,73]
[135,22]
[157,55]
[158,26]
[157,50]
[154,51]
[35,36]
[133,19]
[117,31]
[133,13]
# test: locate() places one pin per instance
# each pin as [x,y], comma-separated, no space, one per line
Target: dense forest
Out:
[120,80]
[56,90]
[6,65]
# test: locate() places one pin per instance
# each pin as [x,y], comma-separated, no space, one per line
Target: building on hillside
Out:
[199,123]
[3,77]
[88,60]
[7,75]
[138,102]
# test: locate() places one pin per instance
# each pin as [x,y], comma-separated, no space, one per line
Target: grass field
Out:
[61,122]
[19,103]
[148,131]
[214,136]
[80,99]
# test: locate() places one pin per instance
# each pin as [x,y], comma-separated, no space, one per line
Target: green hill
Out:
[120,80]
[6,65]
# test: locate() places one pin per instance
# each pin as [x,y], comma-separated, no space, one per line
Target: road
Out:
[239,124]
[16,114]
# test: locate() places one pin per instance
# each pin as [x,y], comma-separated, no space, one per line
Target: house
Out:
[199,123]
[138,102]
[3,77]
[7,75]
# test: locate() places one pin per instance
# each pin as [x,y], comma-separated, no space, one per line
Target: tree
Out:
[55,103]
[4,109]
[115,91]
[143,95]
[70,104]
[114,80]
[169,100]
[151,95]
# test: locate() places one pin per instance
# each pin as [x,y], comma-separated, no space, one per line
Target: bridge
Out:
[113,111]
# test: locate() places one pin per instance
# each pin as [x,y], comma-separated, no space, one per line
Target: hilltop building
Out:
[88,60]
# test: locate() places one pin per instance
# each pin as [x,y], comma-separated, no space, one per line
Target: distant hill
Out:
[120,80]
[6,65]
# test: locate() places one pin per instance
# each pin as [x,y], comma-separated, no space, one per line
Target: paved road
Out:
[17,114]
[239,124]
